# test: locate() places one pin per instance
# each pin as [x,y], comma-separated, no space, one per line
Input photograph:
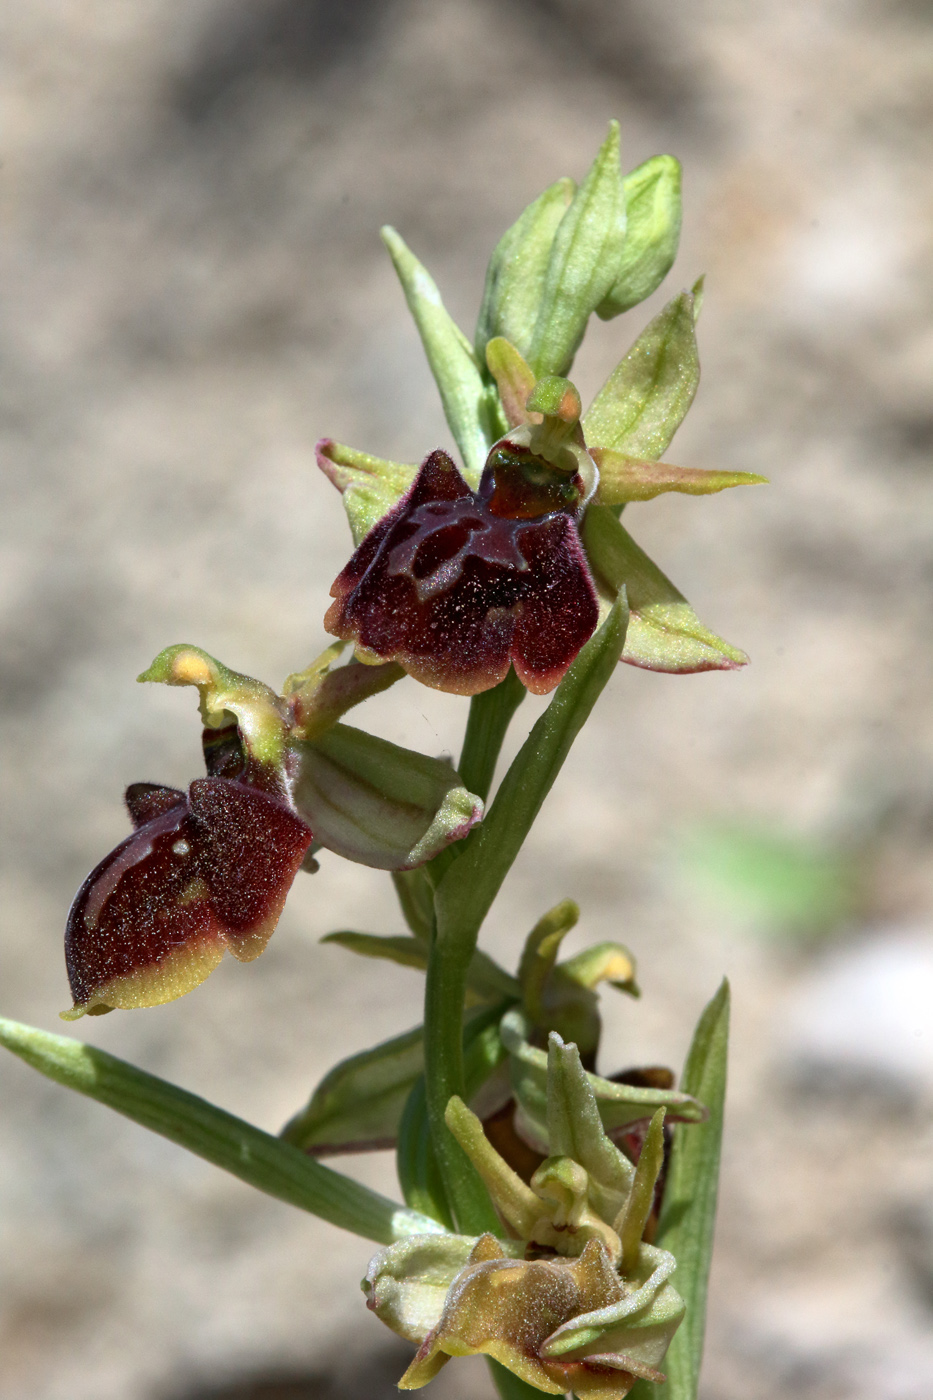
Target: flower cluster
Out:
[569,1297]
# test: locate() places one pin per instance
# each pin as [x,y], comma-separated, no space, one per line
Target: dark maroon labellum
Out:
[457,585]
[204,872]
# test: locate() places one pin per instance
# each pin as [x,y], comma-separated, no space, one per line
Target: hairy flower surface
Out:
[208,871]
[205,872]
[458,585]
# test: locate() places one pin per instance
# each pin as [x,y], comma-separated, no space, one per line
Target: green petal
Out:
[450,356]
[226,696]
[370,486]
[664,632]
[623,479]
[604,962]
[652,233]
[358,1103]
[376,803]
[582,263]
[540,955]
[514,378]
[646,398]
[517,270]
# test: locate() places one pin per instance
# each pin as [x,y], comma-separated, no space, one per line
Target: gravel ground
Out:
[194,291]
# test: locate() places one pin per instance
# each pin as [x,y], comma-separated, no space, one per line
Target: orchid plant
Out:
[556,1220]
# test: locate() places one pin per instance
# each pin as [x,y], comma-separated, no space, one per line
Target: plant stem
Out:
[489,718]
[469,885]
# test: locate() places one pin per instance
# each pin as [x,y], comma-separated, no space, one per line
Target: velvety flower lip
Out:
[204,872]
[458,585]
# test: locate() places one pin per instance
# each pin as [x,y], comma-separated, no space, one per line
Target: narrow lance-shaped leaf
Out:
[688,1212]
[486,980]
[258,1158]
[664,632]
[449,354]
[652,233]
[358,1104]
[645,399]
[582,263]
[517,269]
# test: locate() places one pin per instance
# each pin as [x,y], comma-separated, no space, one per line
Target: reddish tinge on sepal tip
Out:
[458,585]
[204,872]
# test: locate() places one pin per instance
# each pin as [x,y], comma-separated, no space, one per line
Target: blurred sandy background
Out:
[194,291]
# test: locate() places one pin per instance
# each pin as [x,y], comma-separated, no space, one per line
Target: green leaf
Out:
[370,486]
[688,1212]
[623,479]
[376,803]
[485,979]
[664,632]
[582,263]
[517,270]
[258,1158]
[652,233]
[358,1104]
[646,398]
[450,356]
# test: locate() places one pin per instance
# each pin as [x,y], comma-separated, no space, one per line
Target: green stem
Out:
[257,1158]
[490,715]
[469,885]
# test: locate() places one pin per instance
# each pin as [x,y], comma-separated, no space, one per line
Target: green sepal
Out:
[619,1104]
[582,263]
[370,486]
[486,980]
[623,479]
[646,398]
[449,355]
[407,1284]
[517,270]
[225,697]
[575,1128]
[376,803]
[688,1211]
[358,1104]
[256,1157]
[664,632]
[652,233]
